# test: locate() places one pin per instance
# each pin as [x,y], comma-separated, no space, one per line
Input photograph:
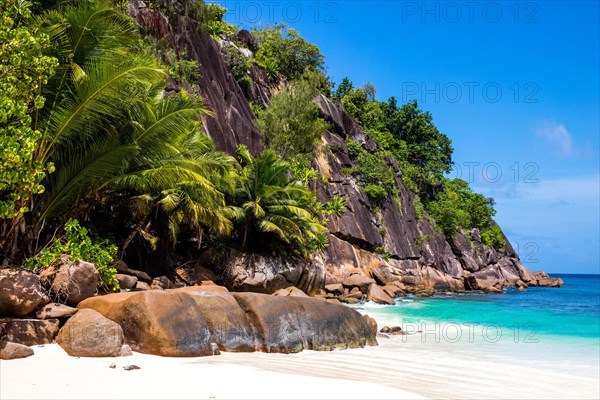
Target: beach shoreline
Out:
[52,374]
[397,368]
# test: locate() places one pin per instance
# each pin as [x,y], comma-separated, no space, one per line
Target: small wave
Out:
[372,305]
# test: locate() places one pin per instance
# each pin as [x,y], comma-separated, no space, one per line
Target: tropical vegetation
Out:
[424,155]
[291,125]
[100,163]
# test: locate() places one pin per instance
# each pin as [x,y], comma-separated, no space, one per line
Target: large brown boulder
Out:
[394,289]
[487,279]
[20,293]
[379,296]
[89,334]
[13,351]
[440,281]
[335,288]
[72,281]
[267,274]
[226,321]
[197,274]
[29,332]
[184,322]
[161,283]
[291,291]
[158,322]
[126,281]
[291,324]
[124,269]
[359,281]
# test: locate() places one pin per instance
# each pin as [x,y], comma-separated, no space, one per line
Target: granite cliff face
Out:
[418,256]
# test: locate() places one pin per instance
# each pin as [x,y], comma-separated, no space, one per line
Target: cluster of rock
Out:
[358,287]
[27,316]
[187,321]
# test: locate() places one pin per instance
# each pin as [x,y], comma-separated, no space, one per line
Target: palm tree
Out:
[186,184]
[269,201]
[107,126]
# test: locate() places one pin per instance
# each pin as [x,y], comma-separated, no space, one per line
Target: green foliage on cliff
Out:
[457,207]
[424,156]
[77,243]
[406,132]
[336,206]
[239,65]
[181,69]
[213,20]
[291,125]
[284,48]
[24,69]
[374,173]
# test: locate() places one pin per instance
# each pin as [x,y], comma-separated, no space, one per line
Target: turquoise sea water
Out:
[550,324]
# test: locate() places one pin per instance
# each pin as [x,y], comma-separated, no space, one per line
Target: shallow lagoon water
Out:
[554,327]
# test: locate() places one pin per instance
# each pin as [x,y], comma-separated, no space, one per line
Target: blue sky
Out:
[515,85]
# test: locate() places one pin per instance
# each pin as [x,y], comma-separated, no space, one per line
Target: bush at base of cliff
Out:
[273,209]
[77,244]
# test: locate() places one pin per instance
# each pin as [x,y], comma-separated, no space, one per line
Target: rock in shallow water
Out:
[379,296]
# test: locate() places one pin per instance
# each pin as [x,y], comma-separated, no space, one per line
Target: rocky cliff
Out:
[417,256]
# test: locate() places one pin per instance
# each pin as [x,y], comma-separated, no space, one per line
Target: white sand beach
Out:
[52,374]
[396,369]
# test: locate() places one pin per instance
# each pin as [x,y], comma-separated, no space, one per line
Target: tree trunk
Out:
[131,236]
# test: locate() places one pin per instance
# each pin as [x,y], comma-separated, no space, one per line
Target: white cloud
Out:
[565,191]
[557,137]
